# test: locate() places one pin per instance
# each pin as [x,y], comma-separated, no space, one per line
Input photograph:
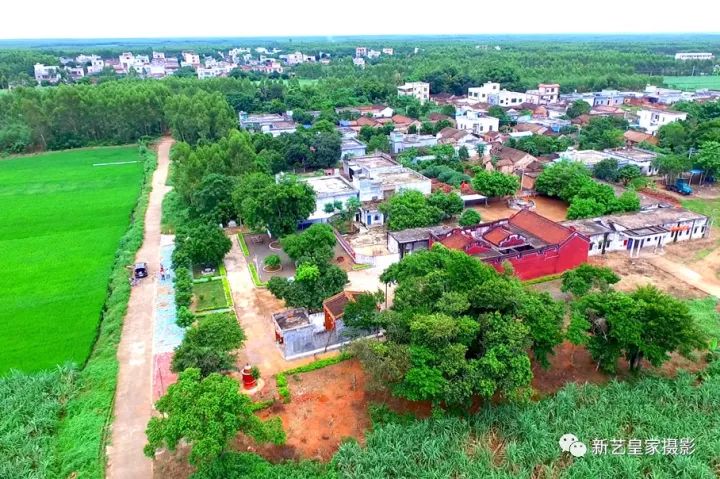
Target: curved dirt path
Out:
[133,396]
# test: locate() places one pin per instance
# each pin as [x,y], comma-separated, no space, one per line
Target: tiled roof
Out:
[507,153]
[540,227]
[638,137]
[401,119]
[336,304]
[456,240]
[497,235]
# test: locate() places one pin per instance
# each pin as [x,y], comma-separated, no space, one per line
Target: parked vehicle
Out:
[140,270]
[680,186]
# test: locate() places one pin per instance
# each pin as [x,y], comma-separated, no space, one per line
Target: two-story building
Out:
[546,93]
[351,146]
[328,190]
[476,121]
[418,89]
[401,141]
[46,73]
[271,123]
[651,119]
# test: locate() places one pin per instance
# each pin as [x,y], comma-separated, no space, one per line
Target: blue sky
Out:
[287,18]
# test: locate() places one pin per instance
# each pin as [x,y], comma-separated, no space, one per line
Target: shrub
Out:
[469,218]
[272,261]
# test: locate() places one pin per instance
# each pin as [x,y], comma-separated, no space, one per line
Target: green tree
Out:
[563,179]
[708,158]
[603,132]
[379,143]
[362,313]
[628,173]
[313,284]
[577,108]
[469,218]
[410,209]
[674,137]
[606,170]
[209,345]
[207,413]
[495,183]
[314,245]
[449,203]
[203,243]
[327,150]
[463,153]
[212,200]
[499,113]
[646,324]
[581,280]
[671,166]
[628,201]
[585,208]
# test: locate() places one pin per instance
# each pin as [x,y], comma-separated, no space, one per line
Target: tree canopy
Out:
[495,183]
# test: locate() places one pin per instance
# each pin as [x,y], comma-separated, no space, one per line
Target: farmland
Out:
[60,224]
[693,82]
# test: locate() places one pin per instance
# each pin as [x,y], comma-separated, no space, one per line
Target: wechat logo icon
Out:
[570,443]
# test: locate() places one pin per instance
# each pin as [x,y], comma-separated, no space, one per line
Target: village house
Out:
[535,246]
[401,141]
[271,123]
[545,93]
[460,138]
[46,73]
[360,51]
[388,51]
[639,157]
[702,56]
[476,121]
[634,138]
[190,59]
[509,160]
[651,119]
[359,62]
[328,190]
[419,90]
[352,147]
[300,333]
[664,96]
[645,230]
[374,111]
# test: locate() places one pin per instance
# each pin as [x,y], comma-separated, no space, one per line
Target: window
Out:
[376,217]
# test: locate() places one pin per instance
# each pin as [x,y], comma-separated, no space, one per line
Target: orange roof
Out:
[456,240]
[335,305]
[540,227]
[639,137]
[365,121]
[497,235]
[401,119]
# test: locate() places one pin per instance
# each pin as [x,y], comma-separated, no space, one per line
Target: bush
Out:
[183,287]
[185,317]
[469,218]
[272,261]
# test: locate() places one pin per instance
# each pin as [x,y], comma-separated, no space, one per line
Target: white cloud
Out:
[292,18]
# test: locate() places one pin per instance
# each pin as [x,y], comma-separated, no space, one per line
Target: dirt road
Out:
[702,282]
[133,396]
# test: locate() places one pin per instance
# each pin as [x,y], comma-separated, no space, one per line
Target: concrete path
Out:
[133,396]
[704,283]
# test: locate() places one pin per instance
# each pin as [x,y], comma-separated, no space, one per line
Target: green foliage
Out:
[60,224]
[469,217]
[242,465]
[586,277]
[606,170]
[202,244]
[243,244]
[362,313]
[272,261]
[449,203]
[603,132]
[458,329]
[708,157]
[279,207]
[495,183]
[671,165]
[209,345]
[445,173]
[628,173]
[541,144]
[410,209]
[312,285]
[212,200]
[185,317]
[646,324]
[30,413]
[315,245]
[577,108]
[174,213]
[183,286]
[207,413]
[199,116]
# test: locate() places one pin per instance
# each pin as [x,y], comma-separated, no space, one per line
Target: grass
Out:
[693,82]
[243,244]
[80,450]
[706,315]
[30,409]
[60,224]
[709,208]
[209,295]
[174,213]
[543,279]
[255,277]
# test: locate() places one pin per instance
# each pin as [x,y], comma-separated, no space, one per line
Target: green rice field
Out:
[693,82]
[61,221]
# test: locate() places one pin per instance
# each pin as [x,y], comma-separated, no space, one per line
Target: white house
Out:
[359,62]
[352,147]
[545,93]
[645,230]
[639,157]
[190,59]
[651,119]
[476,121]
[684,56]
[388,51]
[418,89]
[46,73]
[329,190]
[481,93]
[401,141]
[491,93]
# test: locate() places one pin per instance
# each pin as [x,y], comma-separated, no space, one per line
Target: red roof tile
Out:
[456,240]
[496,235]
[540,227]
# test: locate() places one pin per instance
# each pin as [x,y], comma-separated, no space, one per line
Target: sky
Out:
[293,18]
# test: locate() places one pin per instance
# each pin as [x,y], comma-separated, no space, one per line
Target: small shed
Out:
[334,307]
